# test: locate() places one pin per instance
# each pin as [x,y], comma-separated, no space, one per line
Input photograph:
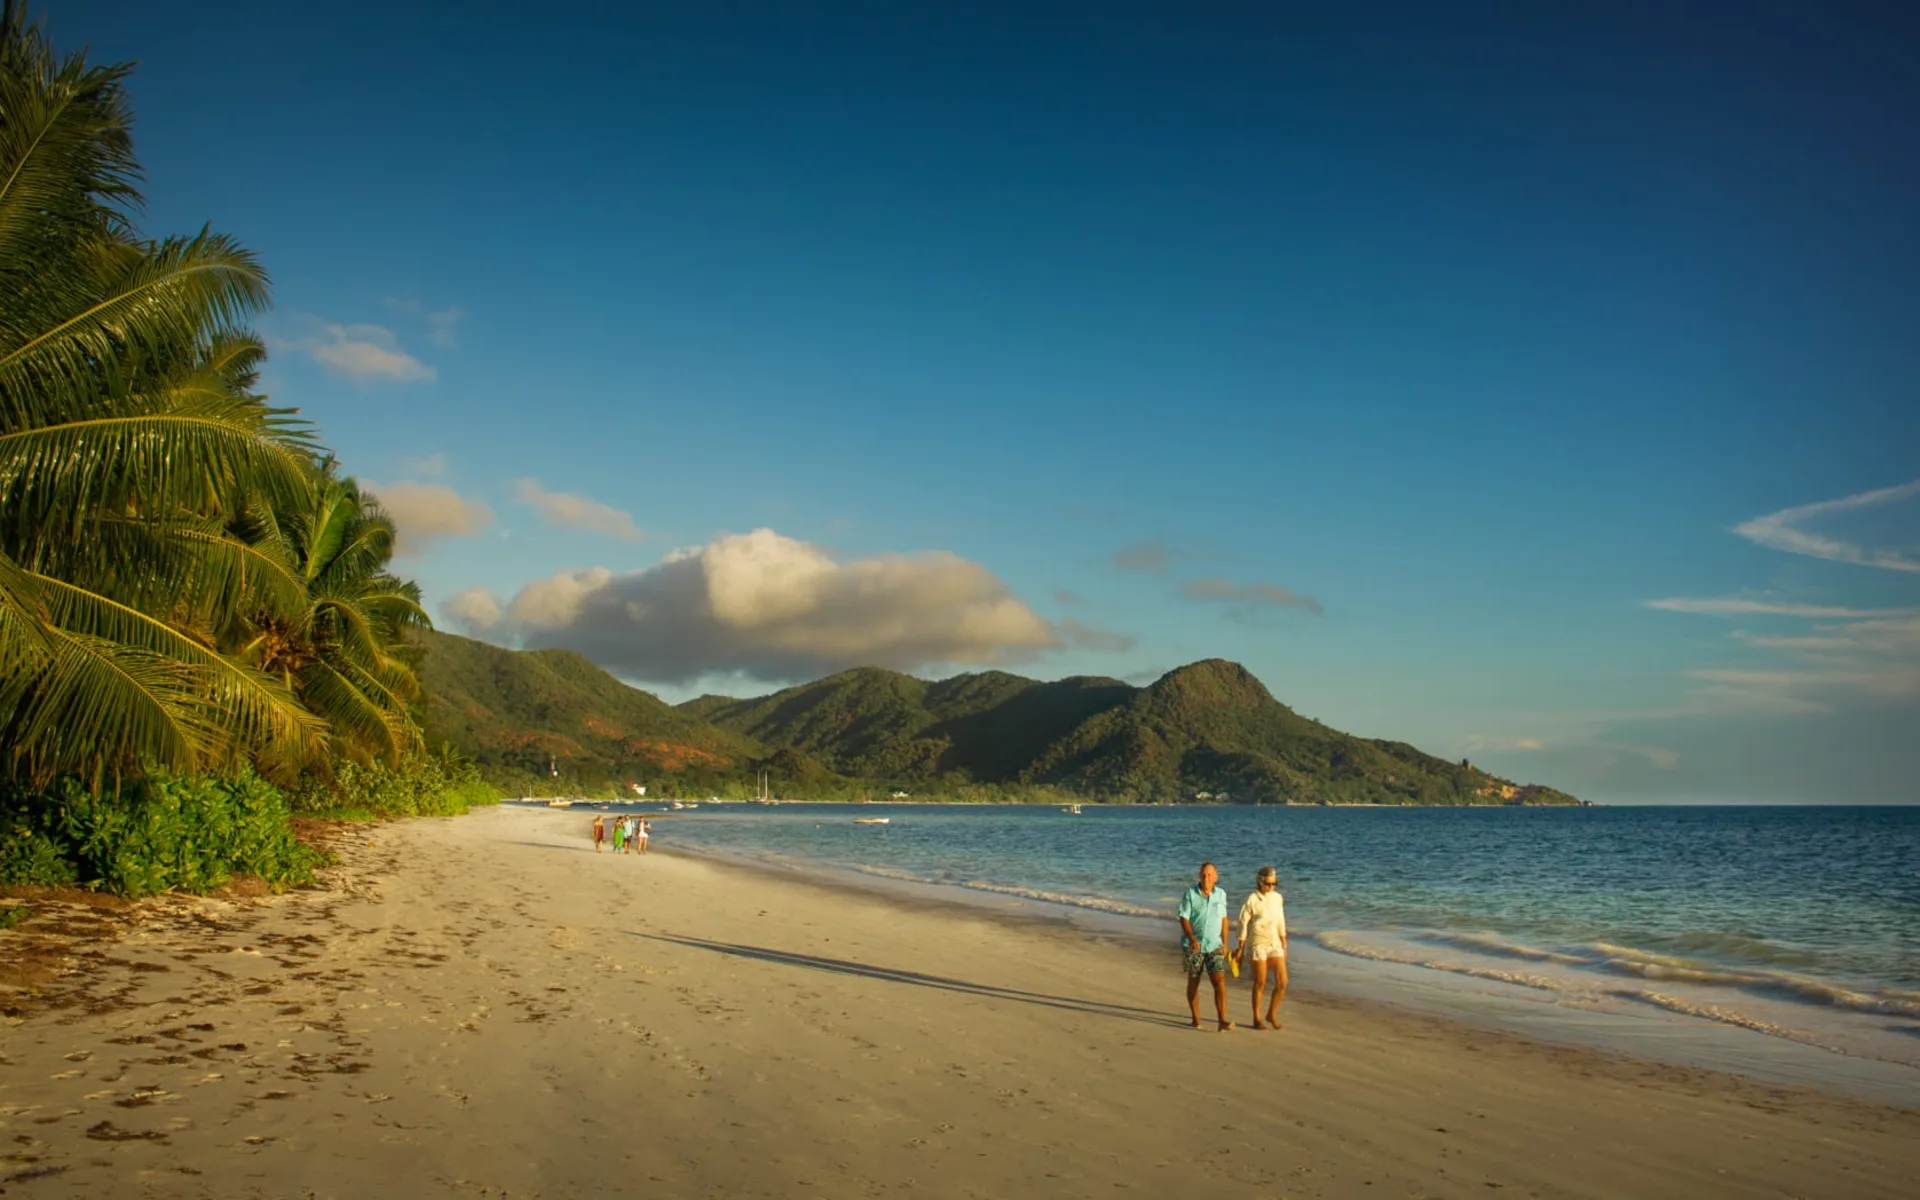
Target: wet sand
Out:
[483,1006]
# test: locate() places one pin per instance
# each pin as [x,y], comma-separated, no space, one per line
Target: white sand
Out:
[484,1007]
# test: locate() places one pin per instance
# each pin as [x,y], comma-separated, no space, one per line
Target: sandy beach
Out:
[482,1006]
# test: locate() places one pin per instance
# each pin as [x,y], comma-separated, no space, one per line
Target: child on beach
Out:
[1263,940]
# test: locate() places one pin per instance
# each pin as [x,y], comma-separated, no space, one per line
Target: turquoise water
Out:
[1801,924]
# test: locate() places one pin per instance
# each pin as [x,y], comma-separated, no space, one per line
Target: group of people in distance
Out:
[627,832]
[1263,942]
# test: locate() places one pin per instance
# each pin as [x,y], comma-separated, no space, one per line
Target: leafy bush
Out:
[425,785]
[158,834]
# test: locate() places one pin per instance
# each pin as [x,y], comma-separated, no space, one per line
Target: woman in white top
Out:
[1263,940]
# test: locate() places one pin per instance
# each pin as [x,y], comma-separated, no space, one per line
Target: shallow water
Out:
[1767,934]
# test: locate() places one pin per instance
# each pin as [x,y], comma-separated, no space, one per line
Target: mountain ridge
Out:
[1209,731]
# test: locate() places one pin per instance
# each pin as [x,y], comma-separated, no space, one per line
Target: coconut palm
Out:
[345,654]
[128,436]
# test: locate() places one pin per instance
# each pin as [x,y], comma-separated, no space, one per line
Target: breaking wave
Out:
[1487,943]
[1341,942]
[1625,960]
[1609,958]
[1090,903]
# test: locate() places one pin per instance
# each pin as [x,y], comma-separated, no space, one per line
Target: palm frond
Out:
[99,702]
[236,359]
[66,150]
[358,718]
[53,476]
[255,709]
[150,305]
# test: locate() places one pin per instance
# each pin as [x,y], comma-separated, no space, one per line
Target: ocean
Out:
[1778,942]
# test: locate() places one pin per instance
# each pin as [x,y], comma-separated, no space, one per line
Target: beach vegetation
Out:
[195,603]
[436,784]
[157,833]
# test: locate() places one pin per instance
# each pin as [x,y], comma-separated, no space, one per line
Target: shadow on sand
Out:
[841,966]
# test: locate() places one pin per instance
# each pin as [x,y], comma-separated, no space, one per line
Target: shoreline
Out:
[541,802]
[1676,1034]
[483,1005]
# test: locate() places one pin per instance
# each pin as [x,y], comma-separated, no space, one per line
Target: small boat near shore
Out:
[871,820]
[1072,810]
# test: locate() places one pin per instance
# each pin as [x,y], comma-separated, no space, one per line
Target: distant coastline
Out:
[645,802]
[1206,733]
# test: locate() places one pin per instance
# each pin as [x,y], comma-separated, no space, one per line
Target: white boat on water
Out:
[871,820]
[559,804]
[1070,809]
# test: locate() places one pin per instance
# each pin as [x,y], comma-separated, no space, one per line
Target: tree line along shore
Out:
[201,638]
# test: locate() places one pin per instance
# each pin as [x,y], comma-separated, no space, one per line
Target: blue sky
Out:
[1503,380]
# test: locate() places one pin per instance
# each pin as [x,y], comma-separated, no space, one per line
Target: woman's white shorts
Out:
[1262,953]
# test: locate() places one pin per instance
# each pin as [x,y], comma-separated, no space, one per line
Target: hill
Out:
[1208,731]
[513,711]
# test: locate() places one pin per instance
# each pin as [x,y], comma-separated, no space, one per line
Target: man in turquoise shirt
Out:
[1203,930]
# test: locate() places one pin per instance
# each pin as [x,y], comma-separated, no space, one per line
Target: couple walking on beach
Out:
[1263,942]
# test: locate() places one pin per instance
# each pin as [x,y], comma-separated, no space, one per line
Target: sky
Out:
[1532,383]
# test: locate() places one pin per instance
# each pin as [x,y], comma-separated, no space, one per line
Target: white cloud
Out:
[1221,590]
[776,608]
[1785,530]
[1850,657]
[1873,660]
[363,353]
[426,512]
[475,610]
[1736,606]
[577,512]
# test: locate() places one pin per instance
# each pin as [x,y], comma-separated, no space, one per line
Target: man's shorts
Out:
[1209,962]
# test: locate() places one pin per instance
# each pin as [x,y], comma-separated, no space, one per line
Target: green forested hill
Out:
[512,711]
[1199,731]
[884,725]
[1204,732]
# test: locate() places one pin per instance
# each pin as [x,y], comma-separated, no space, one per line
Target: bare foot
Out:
[1196,1022]
[1273,1024]
[1259,1024]
[1225,1025]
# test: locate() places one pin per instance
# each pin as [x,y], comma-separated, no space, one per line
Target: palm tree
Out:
[129,436]
[345,654]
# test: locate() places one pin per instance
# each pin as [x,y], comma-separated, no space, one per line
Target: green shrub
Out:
[430,785]
[161,833]
[32,850]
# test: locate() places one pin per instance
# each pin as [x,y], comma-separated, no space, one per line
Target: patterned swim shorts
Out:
[1210,962]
